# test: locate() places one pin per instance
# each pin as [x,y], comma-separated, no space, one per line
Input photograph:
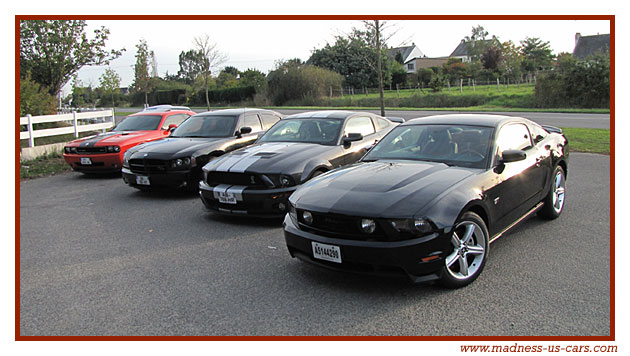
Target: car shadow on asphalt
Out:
[243,220]
[358,283]
[164,194]
[97,176]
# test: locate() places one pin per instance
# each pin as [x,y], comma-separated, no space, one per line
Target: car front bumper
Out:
[172,179]
[99,163]
[389,258]
[268,203]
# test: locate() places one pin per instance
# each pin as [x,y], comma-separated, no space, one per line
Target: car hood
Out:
[393,189]
[116,138]
[272,157]
[175,147]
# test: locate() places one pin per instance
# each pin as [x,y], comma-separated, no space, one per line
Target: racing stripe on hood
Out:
[96,139]
[240,161]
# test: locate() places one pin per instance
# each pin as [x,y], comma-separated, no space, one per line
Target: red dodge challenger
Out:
[104,153]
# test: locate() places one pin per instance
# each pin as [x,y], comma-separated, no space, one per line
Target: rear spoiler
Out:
[553,129]
[399,120]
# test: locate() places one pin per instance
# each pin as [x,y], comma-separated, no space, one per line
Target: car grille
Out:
[148,166]
[341,227]
[232,178]
[92,150]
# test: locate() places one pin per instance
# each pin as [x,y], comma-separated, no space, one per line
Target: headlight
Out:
[307,217]
[182,163]
[66,149]
[286,181]
[368,226]
[413,226]
[111,149]
[126,159]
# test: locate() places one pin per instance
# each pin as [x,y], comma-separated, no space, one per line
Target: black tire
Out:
[555,199]
[470,252]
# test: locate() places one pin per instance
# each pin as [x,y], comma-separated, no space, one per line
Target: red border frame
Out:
[610,18]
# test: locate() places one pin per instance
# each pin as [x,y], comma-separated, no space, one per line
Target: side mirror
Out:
[513,156]
[172,127]
[352,137]
[243,131]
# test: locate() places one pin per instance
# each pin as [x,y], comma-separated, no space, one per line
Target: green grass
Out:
[588,140]
[483,108]
[43,166]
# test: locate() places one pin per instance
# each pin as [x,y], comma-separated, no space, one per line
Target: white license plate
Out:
[142,180]
[326,252]
[86,160]
[227,198]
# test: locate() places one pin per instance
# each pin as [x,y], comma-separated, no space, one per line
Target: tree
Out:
[536,55]
[232,70]
[476,42]
[110,83]
[512,60]
[255,78]
[142,82]
[226,80]
[35,99]
[294,80]
[53,51]
[210,57]
[492,57]
[374,31]
[190,63]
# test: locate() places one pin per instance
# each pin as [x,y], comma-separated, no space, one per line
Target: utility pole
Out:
[377,28]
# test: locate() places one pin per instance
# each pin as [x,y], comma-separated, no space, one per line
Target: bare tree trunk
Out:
[207,97]
[379,65]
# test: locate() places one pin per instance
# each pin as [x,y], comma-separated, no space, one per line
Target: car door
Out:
[517,183]
[353,151]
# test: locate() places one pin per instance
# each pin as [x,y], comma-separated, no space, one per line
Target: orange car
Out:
[103,153]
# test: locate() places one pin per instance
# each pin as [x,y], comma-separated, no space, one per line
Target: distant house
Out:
[461,51]
[586,46]
[426,62]
[407,54]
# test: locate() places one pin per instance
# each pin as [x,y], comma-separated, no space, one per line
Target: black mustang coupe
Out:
[176,161]
[430,197]
[256,181]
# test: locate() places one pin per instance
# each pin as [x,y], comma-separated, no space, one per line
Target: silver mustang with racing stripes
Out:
[258,180]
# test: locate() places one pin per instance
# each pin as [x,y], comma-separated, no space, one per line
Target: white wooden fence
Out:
[75,118]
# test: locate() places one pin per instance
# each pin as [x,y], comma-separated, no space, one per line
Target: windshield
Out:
[206,126]
[139,123]
[322,131]
[455,145]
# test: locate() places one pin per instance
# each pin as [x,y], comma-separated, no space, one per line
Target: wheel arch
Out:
[313,166]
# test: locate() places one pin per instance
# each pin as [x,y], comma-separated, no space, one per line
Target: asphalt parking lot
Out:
[100,258]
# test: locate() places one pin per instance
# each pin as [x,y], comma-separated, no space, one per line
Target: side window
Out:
[361,124]
[253,122]
[514,137]
[174,119]
[268,120]
[381,123]
[538,131]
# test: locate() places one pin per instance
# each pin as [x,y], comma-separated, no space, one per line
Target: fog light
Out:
[307,217]
[368,226]
[283,207]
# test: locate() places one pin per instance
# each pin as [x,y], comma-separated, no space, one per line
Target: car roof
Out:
[328,114]
[161,113]
[465,119]
[237,111]
[162,108]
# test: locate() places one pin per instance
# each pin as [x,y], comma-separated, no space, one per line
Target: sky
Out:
[259,44]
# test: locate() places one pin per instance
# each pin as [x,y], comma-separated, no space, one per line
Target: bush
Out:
[35,99]
[293,81]
[576,83]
